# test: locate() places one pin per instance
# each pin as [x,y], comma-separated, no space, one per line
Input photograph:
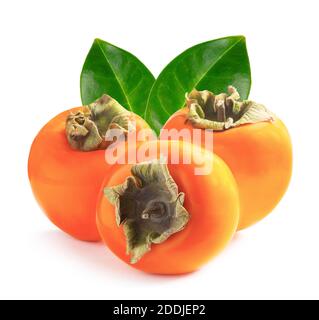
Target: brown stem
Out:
[221,112]
[149,207]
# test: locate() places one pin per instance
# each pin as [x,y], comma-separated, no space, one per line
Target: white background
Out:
[42,49]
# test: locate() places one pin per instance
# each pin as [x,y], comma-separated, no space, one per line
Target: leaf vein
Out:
[116,77]
[215,62]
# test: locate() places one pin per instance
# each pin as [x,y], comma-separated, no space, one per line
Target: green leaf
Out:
[211,65]
[116,72]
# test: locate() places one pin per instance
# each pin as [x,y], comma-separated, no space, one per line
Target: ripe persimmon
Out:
[253,142]
[162,217]
[67,163]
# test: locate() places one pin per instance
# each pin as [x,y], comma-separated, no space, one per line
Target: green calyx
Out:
[149,207]
[223,111]
[86,129]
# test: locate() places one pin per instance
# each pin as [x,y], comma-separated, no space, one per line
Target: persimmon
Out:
[160,216]
[67,163]
[253,142]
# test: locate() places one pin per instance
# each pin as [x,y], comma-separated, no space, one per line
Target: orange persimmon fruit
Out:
[253,142]
[67,163]
[162,217]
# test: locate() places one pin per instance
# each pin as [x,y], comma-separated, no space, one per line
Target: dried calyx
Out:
[149,207]
[87,128]
[223,111]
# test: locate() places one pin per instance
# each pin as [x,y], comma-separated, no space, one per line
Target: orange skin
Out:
[66,182]
[260,158]
[212,202]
